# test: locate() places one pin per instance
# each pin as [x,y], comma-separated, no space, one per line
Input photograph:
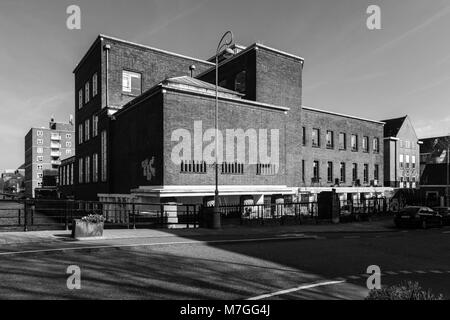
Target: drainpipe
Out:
[107,47]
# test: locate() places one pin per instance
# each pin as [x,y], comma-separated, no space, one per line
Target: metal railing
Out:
[59,214]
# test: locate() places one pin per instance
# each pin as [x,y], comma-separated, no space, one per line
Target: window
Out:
[316,138]
[131,83]
[94,126]
[342,141]
[401,161]
[40,175]
[68,151]
[232,168]
[365,144]
[266,169]
[68,136]
[40,141]
[407,161]
[88,169]
[80,99]
[376,172]
[413,161]
[39,133]
[407,144]
[303,171]
[304,136]
[95,168]
[80,170]
[80,133]
[40,167]
[330,139]
[330,172]
[343,173]
[316,173]
[366,173]
[104,149]
[40,150]
[40,158]
[355,172]
[401,143]
[354,142]
[68,144]
[240,82]
[376,145]
[86,92]
[94,85]
[194,167]
[87,131]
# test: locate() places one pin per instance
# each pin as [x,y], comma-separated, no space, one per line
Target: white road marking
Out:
[420,271]
[392,273]
[150,245]
[304,287]
[436,271]
[446,232]
[405,272]
[354,277]
[352,237]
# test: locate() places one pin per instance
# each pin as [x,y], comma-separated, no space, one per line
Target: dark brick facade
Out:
[315,119]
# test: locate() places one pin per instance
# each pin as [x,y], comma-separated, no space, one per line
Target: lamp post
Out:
[223,44]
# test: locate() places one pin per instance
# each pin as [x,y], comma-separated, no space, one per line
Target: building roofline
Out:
[342,115]
[102,36]
[254,46]
[161,87]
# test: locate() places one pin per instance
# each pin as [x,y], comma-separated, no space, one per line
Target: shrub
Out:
[405,291]
[94,218]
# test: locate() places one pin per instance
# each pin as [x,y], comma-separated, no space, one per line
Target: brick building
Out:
[44,150]
[401,154]
[435,168]
[131,99]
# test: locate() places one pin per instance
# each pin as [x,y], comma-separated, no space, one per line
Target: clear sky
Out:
[402,69]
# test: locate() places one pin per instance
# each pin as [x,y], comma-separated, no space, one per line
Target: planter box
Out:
[84,229]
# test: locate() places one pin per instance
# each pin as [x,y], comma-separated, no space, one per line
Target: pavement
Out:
[383,225]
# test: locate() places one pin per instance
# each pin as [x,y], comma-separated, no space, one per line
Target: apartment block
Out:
[45,147]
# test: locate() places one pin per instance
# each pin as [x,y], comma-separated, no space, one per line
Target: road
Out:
[288,266]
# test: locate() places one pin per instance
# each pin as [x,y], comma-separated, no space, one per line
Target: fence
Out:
[57,214]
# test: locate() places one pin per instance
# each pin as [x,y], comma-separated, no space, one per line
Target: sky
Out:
[402,69]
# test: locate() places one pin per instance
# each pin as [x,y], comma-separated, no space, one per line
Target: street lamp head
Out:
[228,53]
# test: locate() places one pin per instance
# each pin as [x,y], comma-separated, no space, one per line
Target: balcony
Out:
[55,137]
[55,153]
[55,145]
[55,162]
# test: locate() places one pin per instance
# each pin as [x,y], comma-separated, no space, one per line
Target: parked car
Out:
[415,216]
[445,213]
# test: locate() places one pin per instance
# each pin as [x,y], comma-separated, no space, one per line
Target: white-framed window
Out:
[68,151]
[80,99]
[68,144]
[401,161]
[68,136]
[131,83]
[39,184]
[40,141]
[40,167]
[39,133]
[413,161]
[104,149]
[86,92]
[87,131]
[40,150]
[40,158]
[407,161]
[95,167]
[94,126]
[40,175]
[88,169]
[80,170]
[376,145]
[80,133]
[94,85]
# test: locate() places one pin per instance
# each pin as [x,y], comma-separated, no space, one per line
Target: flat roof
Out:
[342,115]
[100,36]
